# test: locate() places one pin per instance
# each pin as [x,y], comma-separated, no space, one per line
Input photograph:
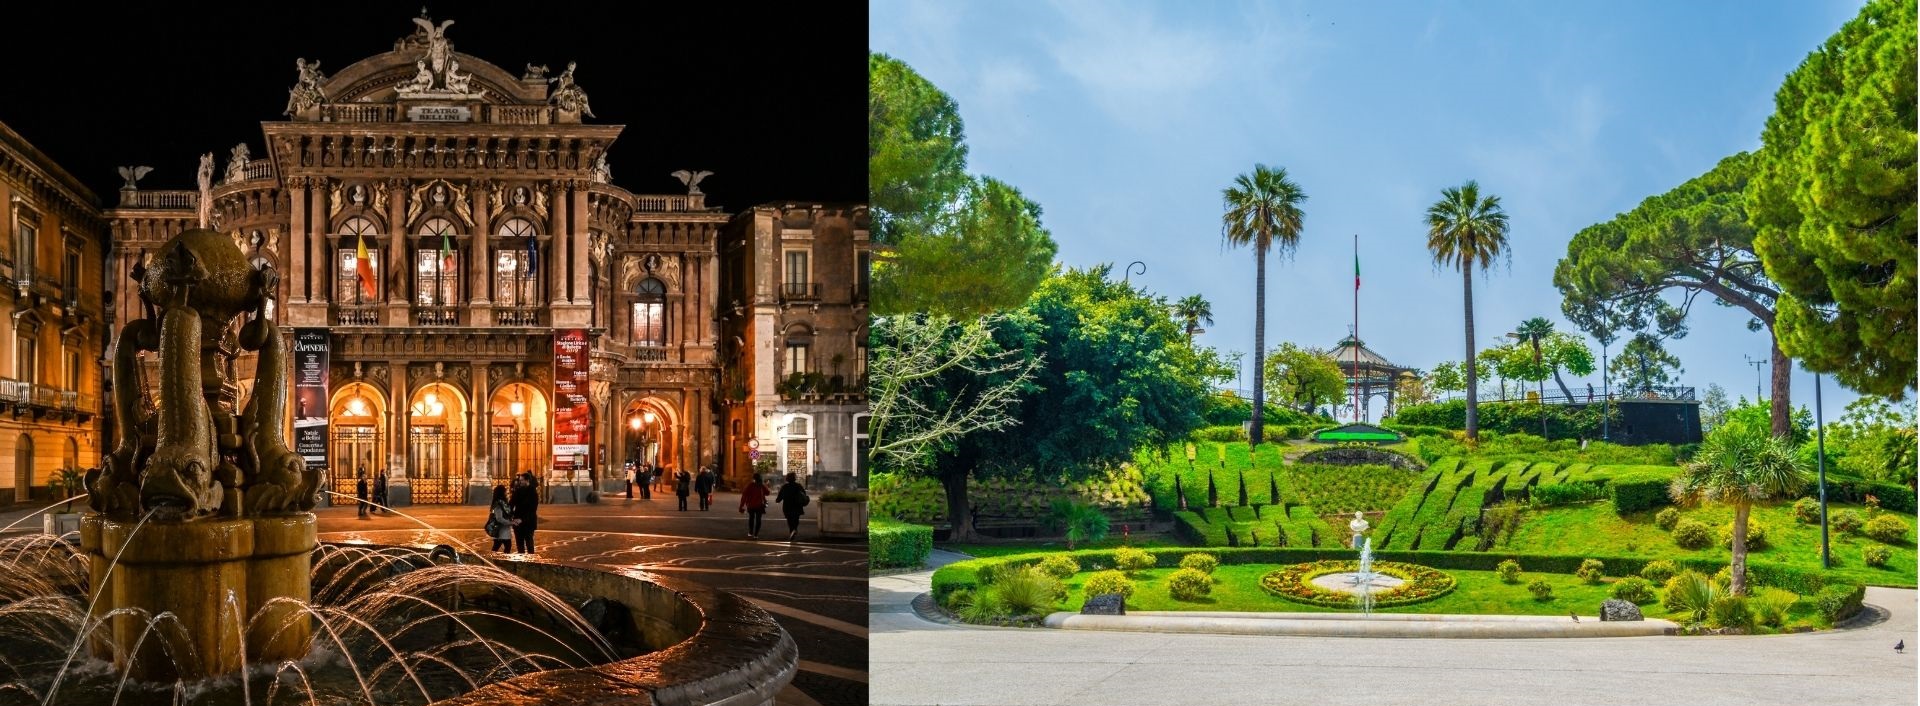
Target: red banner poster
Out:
[572,415]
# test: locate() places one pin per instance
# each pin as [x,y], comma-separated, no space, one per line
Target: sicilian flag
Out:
[446,253]
[1356,271]
[363,264]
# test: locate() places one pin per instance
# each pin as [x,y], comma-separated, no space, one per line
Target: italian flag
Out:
[1356,271]
[446,253]
[363,264]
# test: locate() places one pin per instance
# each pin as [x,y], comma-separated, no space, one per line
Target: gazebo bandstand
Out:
[1369,375]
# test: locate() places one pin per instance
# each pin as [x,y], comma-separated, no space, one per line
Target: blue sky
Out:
[1124,120]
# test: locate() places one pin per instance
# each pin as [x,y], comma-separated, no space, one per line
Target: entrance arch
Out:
[357,435]
[437,444]
[650,433]
[518,419]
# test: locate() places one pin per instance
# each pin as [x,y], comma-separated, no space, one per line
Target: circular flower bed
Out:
[1295,583]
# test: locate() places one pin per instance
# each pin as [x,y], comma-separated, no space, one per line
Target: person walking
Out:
[500,520]
[793,502]
[682,485]
[703,485]
[380,493]
[360,495]
[643,478]
[753,501]
[526,513]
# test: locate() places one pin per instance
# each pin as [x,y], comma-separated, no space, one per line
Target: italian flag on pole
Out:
[1356,270]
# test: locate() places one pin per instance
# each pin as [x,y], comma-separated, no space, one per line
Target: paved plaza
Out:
[811,587]
[918,662]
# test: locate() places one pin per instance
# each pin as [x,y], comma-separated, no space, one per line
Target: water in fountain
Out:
[393,625]
[1363,579]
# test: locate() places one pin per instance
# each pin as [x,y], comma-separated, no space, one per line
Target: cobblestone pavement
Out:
[814,587]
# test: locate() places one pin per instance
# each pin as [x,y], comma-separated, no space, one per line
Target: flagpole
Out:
[1356,327]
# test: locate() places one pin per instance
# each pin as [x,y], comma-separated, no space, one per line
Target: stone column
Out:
[479,470]
[580,225]
[319,272]
[297,255]
[480,275]
[556,253]
[399,419]
[394,269]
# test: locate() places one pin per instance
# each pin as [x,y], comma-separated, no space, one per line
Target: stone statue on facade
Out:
[692,180]
[205,179]
[535,73]
[237,163]
[133,176]
[306,92]
[601,172]
[422,80]
[438,50]
[568,95]
[456,81]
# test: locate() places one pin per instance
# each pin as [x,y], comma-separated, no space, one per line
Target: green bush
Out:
[1060,566]
[1105,582]
[1564,494]
[1689,593]
[1633,492]
[1189,584]
[1200,561]
[1509,571]
[1887,528]
[1839,601]
[1770,606]
[1591,571]
[1658,571]
[1666,518]
[1692,534]
[1221,434]
[1807,511]
[958,600]
[897,544]
[1541,590]
[1724,577]
[1756,535]
[1564,422]
[1729,612]
[1028,591]
[1846,522]
[1875,555]
[984,608]
[1130,560]
[1635,589]
[1892,496]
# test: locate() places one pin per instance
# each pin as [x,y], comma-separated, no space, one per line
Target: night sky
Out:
[770,98]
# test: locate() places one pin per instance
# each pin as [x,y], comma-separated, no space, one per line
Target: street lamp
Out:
[634,422]
[1128,276]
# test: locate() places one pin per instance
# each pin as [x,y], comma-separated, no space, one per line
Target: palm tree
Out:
[1263,210]
[1739,466]
[1194,310]
[1464,230]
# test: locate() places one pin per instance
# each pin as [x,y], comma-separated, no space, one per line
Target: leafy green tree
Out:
[1692,240]
[1554,351]
[1262,211]
[952,244]
[1465,230]
[1833,203]
[1448,377]
[1410,389]
[1512,361]
[1193,311]
[1713,407]
[1644,363]
[1874,439]
[933,380]
[1759,415]
[1304,377]
[1739,466]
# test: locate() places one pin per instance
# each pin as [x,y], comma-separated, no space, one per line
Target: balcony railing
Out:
[436,315]
[652,202]
[158,199]
[1656,392]
[799,291]
[28,394]
[357,113]
[516,316]
[357,315]
[650,354]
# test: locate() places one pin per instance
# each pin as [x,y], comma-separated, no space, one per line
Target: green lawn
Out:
[1597,529]
[1237,588]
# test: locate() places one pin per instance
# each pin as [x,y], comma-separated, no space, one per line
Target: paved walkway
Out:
[811,587]
[918,662]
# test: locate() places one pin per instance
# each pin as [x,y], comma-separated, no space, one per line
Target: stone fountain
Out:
[201,511]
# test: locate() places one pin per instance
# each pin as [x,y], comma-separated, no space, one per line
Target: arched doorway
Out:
[517,440]
[437,444]
[23,468]
[651,433]
[356,435]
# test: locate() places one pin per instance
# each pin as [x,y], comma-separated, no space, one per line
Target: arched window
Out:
[72,457]
[516,276]
[437,272]
[357,282]
[649,325]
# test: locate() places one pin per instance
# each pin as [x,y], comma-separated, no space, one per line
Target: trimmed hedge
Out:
[1892,496]
[1838,599]
[1640,490]
[893,545]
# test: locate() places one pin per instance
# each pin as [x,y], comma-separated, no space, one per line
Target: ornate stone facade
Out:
[489,223]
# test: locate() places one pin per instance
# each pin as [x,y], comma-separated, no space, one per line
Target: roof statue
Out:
[306,92]
[133,175]
[237,163]
[206,186]
[692,180]
[568,94]
[535,73]
[437,72]
[438,50]
[601,172]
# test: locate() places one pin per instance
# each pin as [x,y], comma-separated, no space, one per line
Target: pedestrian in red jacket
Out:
[753,501]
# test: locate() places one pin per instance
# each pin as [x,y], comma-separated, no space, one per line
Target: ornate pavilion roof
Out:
[1371,364]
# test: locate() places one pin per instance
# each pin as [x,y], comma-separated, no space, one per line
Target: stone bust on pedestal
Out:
[1358,526]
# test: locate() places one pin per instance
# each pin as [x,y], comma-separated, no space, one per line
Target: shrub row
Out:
[893,545]
[1640,490]
[1892,496]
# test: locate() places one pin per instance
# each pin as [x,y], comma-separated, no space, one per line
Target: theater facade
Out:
[472,297]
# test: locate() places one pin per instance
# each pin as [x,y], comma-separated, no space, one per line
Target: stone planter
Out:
[843,519]
[60,523]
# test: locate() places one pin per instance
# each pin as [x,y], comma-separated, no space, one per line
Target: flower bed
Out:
[1295,583]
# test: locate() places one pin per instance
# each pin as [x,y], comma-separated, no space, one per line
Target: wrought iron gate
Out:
[437,465]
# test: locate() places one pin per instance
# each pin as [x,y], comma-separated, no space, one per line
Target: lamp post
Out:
[1128,275]
[1820,446]
[1606,395]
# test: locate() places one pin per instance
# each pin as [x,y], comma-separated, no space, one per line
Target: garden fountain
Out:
[199,577]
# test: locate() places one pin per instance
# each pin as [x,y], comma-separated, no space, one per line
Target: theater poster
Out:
[310,367]
[572,415]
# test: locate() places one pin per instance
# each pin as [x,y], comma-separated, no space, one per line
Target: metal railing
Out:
[1678,393]
[799,291]
[424,315]
[516,316]
[356,314]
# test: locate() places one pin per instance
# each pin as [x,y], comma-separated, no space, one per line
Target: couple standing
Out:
[792,499]
[513,518]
